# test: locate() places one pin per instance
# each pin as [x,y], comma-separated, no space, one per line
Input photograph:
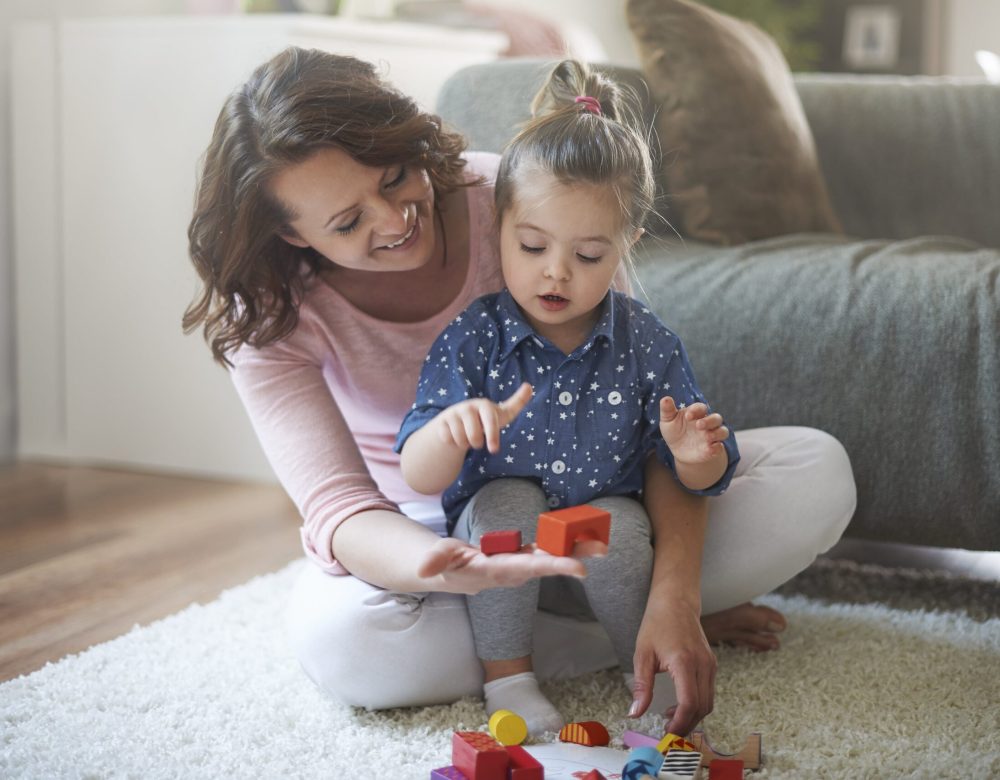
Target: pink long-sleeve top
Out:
[327,401]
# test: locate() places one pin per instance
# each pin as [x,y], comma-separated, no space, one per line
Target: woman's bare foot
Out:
[747,624]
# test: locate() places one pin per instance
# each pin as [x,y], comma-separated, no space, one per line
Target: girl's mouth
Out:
[552,302]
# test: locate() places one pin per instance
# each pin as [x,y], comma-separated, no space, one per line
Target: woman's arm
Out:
[671,638]
[348,525]
[390,550]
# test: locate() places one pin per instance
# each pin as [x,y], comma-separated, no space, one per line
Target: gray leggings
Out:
[614,591]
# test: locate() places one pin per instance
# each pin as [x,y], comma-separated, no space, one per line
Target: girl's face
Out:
[367,219]
[560,246]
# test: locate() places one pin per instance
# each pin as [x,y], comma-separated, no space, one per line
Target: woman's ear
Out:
[292,237]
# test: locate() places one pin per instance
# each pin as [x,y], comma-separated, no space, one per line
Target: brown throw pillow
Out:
[739,160]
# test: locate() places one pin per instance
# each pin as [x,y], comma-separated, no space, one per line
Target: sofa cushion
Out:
[892,347]
[738,155]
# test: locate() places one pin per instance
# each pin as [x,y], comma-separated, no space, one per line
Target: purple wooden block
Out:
[634,739]
[447,773]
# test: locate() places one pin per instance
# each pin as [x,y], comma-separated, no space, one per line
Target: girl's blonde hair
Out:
[585,128]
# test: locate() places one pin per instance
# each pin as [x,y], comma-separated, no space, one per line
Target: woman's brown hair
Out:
[294,105]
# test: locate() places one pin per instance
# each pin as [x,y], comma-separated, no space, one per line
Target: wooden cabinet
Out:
[109,119]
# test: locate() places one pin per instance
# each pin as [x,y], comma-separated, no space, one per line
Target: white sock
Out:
[520,694]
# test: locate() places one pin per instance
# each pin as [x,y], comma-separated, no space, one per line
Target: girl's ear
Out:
[292,238]
[636,236]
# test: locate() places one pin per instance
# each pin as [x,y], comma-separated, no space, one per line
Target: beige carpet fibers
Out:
[859,690]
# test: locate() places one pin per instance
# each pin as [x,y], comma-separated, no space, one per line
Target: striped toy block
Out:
[642,761]
[495,542]
[750,755]
[447,773]
[479,756]
[508,728]
[523,765]
[587,732]
[681,765]
[558,530]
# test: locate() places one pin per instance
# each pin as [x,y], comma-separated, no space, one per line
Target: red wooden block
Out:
[523,765]
[725,769]
[593,774]
[587,732]
[478,755]
[558,530]
[495,542]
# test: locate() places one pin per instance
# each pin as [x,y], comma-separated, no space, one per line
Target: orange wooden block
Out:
[558,530]
[750,755]
[587,732]
[478,756]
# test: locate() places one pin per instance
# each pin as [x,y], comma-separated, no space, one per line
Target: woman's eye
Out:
[351,227]
[398,178]
[534,250]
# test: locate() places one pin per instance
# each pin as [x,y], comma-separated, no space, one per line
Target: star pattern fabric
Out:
[593,416]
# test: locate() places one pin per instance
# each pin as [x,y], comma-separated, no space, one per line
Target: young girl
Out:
[337,230]
[611,383]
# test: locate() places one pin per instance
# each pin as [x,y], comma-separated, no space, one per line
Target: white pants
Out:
[790,499]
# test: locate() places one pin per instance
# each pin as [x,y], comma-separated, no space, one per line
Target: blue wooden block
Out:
[642,761]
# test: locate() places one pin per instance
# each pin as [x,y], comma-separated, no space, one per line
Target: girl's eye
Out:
[398,179]
[533,250]
[588,258]
[351,227]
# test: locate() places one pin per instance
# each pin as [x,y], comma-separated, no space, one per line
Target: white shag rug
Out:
[859,691]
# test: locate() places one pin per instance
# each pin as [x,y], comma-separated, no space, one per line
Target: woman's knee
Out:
[830,481]
[354,642]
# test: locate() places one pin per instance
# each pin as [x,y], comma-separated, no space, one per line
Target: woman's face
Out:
[367,219]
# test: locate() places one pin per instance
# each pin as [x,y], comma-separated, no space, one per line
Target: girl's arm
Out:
[671,638]
[432,456]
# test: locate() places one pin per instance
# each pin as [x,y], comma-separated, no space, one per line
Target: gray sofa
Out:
[888,337]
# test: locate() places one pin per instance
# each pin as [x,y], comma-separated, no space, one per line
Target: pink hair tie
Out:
[590,104]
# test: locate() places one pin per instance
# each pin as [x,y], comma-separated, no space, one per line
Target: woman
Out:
[337,229]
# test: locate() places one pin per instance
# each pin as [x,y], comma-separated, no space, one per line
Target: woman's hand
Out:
[455,566]
[671,640]
[478,422]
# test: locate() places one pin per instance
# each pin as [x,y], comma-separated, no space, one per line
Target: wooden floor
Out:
[87,553]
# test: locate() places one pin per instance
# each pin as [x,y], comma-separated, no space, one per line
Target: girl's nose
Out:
[557,268]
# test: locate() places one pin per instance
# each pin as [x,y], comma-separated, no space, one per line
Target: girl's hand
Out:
[473,423]
[459,567]
[671,640]
[692,434]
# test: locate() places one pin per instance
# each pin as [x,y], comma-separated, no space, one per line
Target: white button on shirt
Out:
[558,467]
[614,398]
[565,398]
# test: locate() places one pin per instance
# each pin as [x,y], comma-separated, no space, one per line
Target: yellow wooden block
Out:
[508,728]
[674,742]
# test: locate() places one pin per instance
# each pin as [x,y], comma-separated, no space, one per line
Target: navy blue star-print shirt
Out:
[593,416]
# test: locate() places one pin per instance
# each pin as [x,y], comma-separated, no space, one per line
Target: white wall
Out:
[10,12]
[968,25]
